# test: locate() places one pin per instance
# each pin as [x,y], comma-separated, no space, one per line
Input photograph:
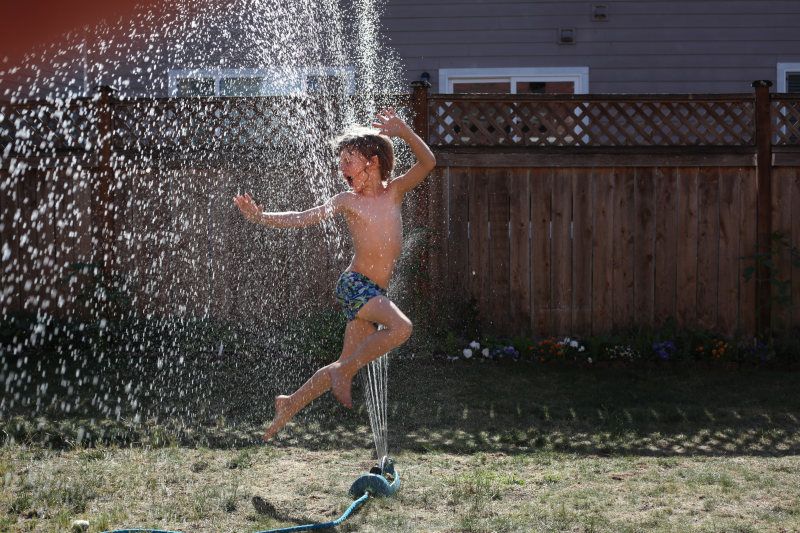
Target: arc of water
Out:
[375,380]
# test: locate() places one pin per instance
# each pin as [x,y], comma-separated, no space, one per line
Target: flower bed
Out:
[691,349]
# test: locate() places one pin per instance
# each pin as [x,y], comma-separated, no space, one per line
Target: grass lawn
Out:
[479,447]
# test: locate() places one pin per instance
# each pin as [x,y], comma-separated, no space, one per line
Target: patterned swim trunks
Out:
[353,290]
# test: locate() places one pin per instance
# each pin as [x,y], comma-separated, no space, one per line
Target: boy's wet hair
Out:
[367,142]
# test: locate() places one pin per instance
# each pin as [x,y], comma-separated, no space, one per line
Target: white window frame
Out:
[783,70]
[296,78]
[579,76]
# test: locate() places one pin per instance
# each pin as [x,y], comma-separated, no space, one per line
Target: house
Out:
[566,46]
[581,46]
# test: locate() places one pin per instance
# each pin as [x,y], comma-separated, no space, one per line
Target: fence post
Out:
[419,104]
[103,197]
[763,142]
[419,107]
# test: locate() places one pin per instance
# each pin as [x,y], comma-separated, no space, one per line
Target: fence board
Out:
[64,215]
[582,251]
[795,243]
[782,178]
[479,241]
[437,224]
[223,226]
[666,220]
[190,265]
[9,248]
[561,246]
[124,241]
[624,220]
[747,230]
[48,294]
[541,193]
[499,290]
[687,247]
[458,267]
[729,252]
[708,248]
[644,243]
[603,249]
[29,256]
[519,222]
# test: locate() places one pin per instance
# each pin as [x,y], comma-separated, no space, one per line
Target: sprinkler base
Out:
[377,484]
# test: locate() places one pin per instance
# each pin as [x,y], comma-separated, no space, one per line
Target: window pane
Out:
[793,83]
[284,84]
[324,84]
[195,86]
[241,86]
[545,87]
[482,87]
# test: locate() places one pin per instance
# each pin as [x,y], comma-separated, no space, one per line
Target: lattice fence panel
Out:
[464,122]
[786,122]
[266,124]
[198,124]
[40,128]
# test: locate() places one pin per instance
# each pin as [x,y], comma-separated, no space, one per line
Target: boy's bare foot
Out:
[282,415]
[341,385]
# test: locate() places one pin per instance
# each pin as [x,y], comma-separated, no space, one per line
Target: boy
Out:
[372,210]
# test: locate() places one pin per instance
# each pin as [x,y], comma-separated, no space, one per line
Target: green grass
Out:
[480,447]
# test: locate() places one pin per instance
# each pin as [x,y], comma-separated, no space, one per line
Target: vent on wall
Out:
[566,36]
[600,13]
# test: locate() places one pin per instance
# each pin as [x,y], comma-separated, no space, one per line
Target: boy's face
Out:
[353,166]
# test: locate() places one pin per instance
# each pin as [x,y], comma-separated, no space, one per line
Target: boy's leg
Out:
[287,406]
[397,330]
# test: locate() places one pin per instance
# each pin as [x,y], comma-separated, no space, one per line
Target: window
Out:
[558,80]
[196,86]
[241,86]
[468,127]
[788,78]
[260,82]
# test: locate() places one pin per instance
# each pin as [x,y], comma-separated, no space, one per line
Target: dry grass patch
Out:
[478,448]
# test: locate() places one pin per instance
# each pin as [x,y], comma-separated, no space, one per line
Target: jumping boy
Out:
[372,210]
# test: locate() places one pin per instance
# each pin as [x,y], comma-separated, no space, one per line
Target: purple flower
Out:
[663,349]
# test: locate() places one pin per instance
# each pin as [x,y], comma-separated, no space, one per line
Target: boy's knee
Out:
[404,330]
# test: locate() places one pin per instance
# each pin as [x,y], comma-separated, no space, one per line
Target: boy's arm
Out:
[288,219]
[393,126]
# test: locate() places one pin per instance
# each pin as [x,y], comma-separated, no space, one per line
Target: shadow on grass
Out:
[456,408]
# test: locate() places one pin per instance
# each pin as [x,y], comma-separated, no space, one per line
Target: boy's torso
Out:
[376,226]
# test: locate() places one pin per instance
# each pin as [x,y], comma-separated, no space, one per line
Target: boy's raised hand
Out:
[248,207]
[390,124]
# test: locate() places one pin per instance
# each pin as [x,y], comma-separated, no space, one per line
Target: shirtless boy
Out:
[372,210]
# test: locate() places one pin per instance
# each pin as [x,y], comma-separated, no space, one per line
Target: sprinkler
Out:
[382,480]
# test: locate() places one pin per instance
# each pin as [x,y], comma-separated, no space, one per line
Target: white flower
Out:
[589,359]
[573,344]
[467,353]
[475,345]
[581,349]
[485,352]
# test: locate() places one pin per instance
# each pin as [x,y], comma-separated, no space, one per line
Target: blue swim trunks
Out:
[353,290]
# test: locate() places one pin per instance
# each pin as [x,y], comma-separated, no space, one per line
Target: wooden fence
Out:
[557,214]
[144,188]
[577,214]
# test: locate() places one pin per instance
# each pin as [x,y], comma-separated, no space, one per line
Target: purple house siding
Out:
[643,46]
[678,46]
